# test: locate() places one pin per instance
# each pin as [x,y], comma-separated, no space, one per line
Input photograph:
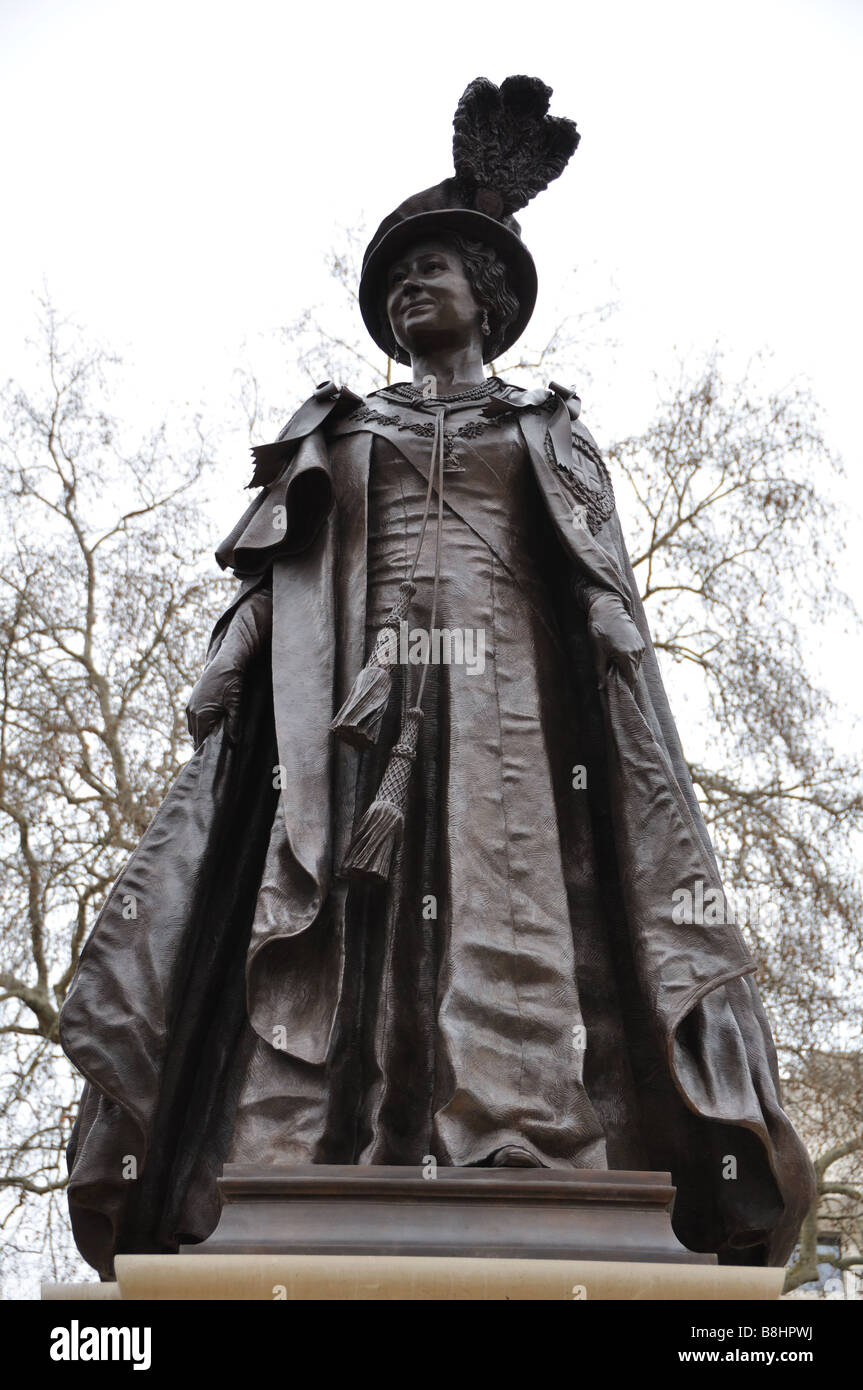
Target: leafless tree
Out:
[734,544]
[103,602]
[827,1100]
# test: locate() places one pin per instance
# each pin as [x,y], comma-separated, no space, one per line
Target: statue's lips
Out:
[418,304]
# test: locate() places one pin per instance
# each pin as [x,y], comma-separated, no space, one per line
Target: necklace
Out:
[406,391]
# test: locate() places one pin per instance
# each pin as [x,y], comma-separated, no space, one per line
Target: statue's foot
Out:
[512,1156]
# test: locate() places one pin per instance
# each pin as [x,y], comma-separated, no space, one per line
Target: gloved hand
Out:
[218,692]
[615,636]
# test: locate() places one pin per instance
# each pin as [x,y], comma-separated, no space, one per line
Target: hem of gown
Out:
[481,1155]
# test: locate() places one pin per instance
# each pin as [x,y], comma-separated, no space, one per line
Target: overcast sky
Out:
[173,169]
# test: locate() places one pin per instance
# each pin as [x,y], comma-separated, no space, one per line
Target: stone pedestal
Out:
[416,1278]
[474,1213]
[373,1233]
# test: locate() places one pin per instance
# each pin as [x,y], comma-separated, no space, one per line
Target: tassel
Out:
[359,720]
[379,833]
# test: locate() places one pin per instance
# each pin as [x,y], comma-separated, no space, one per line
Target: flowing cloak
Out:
[173,972]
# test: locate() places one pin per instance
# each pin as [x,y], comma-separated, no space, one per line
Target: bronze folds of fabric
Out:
[520,980]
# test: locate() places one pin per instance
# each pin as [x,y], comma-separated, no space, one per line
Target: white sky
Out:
[172,171]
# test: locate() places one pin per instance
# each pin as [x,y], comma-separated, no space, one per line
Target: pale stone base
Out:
[409,1278]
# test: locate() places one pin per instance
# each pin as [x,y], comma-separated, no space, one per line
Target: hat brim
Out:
[473,225]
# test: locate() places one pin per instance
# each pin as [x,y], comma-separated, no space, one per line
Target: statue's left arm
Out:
[217,694]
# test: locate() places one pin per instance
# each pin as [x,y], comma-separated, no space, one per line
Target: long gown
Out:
[481,1006]
[520,990]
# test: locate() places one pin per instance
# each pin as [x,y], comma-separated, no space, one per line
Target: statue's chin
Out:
[427,340]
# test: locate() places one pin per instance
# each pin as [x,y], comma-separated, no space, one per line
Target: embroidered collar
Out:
[406,391]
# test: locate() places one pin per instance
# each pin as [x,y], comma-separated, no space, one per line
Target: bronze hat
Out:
[506,149]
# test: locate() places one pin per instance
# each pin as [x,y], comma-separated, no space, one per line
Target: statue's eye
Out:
[396,277]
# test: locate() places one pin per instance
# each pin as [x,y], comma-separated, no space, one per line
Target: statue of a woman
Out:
[417,892]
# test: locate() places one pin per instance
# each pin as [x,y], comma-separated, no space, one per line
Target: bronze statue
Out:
[414,893]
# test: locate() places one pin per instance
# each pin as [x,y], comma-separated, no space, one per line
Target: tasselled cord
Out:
[375,839]
[437,447]
[359,719]
[438,435]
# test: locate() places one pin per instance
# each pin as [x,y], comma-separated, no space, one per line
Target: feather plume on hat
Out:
[506,148]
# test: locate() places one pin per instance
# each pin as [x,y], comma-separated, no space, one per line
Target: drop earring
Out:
[485,326]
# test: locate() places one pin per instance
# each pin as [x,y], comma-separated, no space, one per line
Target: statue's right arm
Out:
[217,694]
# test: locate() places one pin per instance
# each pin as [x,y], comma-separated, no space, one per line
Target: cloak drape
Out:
[156,1016]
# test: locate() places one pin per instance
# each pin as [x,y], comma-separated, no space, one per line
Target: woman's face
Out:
[429,302]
